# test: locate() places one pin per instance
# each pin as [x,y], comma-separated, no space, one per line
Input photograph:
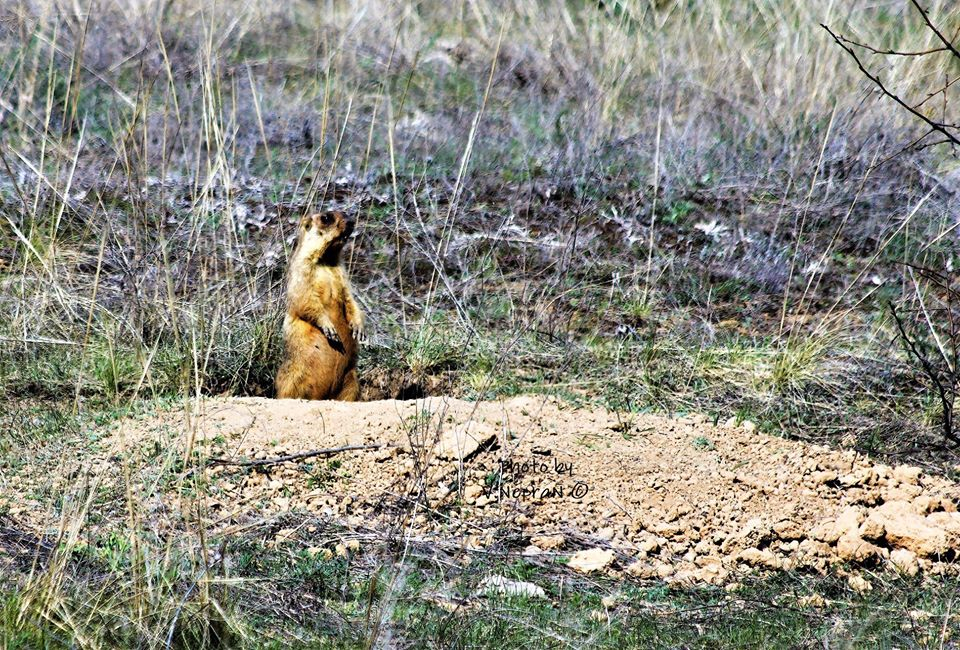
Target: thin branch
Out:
[943,39]
[936,126]
[940,91]
[947,395]
[291,457]
[870,48]
[912,146]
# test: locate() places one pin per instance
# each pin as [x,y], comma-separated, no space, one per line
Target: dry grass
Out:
[665,204]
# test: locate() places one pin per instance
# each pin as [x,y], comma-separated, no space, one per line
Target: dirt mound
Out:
[675,498]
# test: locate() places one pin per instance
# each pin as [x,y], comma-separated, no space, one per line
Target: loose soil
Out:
[676,498]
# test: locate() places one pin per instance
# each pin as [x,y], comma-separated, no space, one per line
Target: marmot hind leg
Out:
[350,390]
[284,383]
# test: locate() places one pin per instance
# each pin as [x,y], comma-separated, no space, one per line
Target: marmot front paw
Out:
[331,333]
[359,335]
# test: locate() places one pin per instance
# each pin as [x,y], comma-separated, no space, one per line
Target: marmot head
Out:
[322,236]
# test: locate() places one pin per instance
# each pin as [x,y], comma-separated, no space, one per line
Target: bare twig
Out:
[946,386]
[936,126]
[875,50]
[291,457]
[943,39]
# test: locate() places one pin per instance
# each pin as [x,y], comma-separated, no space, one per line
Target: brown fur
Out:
[323,323]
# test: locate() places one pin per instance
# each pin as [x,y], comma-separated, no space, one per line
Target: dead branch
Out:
[946,386]
[875,50]
[291,457]
[940,127]
[943,39]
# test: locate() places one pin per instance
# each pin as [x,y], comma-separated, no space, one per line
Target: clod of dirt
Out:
[859,584]
[590,560]
[905,561]
[548,542]
[462,442]
[674,498]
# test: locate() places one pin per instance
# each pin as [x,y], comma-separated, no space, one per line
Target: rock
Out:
[868,476]
[813,600]
[748,426]
[649,545]
[872,528]
[471,492]
[548,542]
[820,478]
[704,561]
[464,441]
[852,548]
[678,548]
[324,553]
[925,504]
[711,570]
[760,558]
[498,585]
[667,529]
[755,531]
[848,521]
[609,602]
[859,584]
[904,528]
[907,474]
[686,576]
[919,615]
[902,492]
[638,569]
[788,529]
[704,548]
[604,534]
[665,570]
[948,521]
[826,532]
[590,560]
[905,561]
[849,480]
[445,603]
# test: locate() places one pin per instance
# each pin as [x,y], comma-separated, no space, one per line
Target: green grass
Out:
[288,598]
[534,215]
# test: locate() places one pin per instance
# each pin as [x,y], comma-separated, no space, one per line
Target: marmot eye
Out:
[326,219]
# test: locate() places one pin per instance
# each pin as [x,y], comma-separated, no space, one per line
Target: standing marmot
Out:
[323,323]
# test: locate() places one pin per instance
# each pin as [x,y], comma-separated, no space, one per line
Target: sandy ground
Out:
[679,499]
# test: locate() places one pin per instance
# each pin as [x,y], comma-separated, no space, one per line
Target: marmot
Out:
[323,323]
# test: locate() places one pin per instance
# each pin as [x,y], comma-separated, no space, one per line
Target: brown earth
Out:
[681,499]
